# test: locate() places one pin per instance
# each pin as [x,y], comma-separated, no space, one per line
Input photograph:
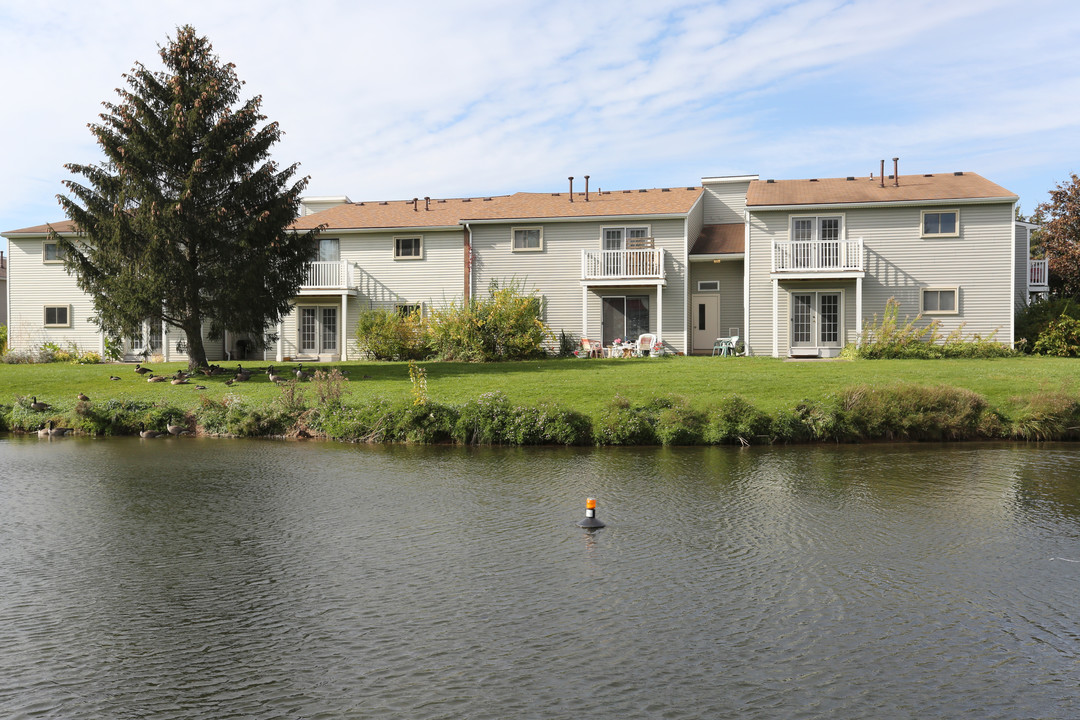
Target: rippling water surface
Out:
[189,578]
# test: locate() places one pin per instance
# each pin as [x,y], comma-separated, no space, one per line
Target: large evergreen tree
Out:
[187,219]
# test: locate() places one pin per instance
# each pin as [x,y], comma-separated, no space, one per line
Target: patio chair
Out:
[591,348]
[644,345]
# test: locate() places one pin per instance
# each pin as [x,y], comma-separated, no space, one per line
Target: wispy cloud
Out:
[385,101]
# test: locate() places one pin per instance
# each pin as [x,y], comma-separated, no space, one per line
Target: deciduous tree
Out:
[1059,218]
[186,220]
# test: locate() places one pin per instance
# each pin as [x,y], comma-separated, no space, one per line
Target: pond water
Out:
[187,578]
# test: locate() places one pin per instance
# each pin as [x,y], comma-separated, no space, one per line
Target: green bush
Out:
[1060,337]
[734,421]
[3,339]
[891,339]
[621,424]
[1047,416]
[506,325]
[388,334]
[910,412]
[1033,318]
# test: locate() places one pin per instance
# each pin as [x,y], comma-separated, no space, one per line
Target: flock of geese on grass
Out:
[179,378]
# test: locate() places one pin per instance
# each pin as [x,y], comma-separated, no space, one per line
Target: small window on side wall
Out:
[940,301]
[530,239]
[940,223]
[51,252]
[57,316]
[406,309]
[408,248]
[708,285]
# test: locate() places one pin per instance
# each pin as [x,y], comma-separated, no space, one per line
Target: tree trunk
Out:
[196,351]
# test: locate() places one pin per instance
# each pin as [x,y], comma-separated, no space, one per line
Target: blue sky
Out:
[445,99]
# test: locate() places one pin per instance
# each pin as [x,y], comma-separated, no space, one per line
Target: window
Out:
[406,309]
[57,316]
[529,239]
[327,250]
[939,301]
[941,223]
[816,243]
[52,253]
[708,285]
[408,248]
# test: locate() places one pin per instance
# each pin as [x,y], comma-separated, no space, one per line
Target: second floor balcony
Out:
[817,256]
[1038,276]
[328,275]
[638,264]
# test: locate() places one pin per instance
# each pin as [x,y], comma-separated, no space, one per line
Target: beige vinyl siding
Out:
[725,202]
[899,263]
[730,275]
[555,272]
[383,282]
[1023,277]
[35,284]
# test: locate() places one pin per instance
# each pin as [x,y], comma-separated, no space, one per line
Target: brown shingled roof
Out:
[913,188]
[520,206]
[64,226]
[718,239]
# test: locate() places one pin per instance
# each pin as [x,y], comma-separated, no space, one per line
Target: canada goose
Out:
[39,406]
[242,375]
[274,377]
[45,431]
[156,378]
[230,382]
[175,429]
[144,433]
[82,398]
[141,370]
[57,431]
[179,379]
[300,374]
[113,377]
[200,387]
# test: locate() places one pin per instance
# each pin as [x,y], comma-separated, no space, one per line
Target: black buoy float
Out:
[590,520]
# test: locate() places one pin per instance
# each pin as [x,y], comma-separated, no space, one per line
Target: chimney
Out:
[571,178]
[586,188]
[896,171]
[882,172]
[427,203]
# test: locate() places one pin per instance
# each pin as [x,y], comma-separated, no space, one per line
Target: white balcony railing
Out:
[1037,275]
[622,264]
[817,255]
[335,274]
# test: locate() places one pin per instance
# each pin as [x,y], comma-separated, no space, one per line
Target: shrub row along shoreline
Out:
[861,413]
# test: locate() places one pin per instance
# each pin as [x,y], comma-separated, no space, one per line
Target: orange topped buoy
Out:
[590,520]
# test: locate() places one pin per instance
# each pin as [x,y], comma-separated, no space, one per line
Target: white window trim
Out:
[816,233]
[44,315]
[938,211]
[624,228]
[513,239]
[58,261]
[701,283]
[955,289]
[842,312]
[409,237]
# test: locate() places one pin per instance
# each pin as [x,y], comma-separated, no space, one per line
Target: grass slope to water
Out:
[586,386]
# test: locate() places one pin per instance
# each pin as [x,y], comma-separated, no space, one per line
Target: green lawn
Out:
[585,385]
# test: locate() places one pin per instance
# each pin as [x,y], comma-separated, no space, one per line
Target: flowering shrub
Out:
[506,325]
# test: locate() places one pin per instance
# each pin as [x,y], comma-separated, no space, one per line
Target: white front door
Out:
[816,322]
[706,320]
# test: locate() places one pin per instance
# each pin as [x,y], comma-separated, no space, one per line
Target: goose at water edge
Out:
[144,433]
[39,406]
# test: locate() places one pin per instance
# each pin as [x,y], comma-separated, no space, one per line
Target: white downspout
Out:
[1012,275]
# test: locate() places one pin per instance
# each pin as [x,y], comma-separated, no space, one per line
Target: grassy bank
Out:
[667,400]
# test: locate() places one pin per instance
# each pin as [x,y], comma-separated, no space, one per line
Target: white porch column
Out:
[584,310]
[858,310]
[280,342]
[775,318]
[341,329]
[165,341]
[660,312]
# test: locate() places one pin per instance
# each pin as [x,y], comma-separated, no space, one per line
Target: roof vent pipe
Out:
[415,201]
[883,172]
[427,203]
[571,178]
[896,171]
[586,188]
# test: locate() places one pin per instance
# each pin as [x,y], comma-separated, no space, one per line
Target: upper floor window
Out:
[940,223]
[51,252]
[624,237]
[408,248]
[823,229]
[327,250]
[528,239]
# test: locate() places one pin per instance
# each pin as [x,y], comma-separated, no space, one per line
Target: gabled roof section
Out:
[519,206]
[839,191]
[720,239]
